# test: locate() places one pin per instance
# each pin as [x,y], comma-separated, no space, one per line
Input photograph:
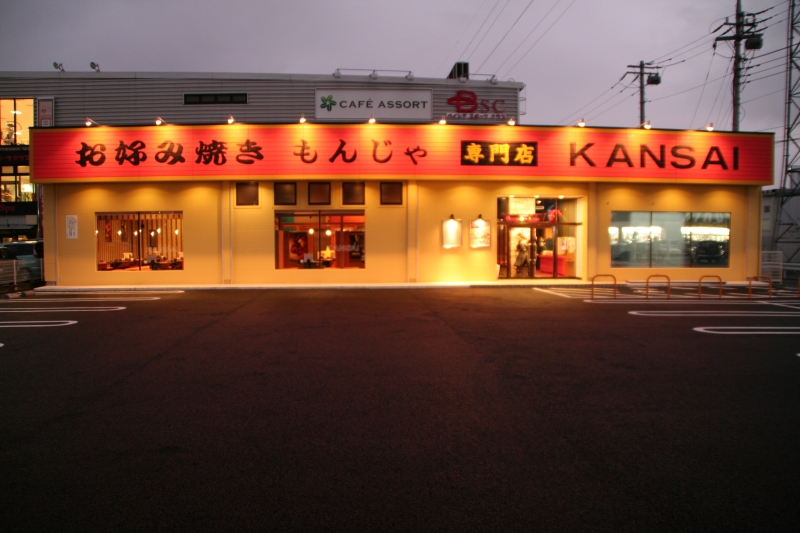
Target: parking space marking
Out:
[37,323]
[61,309]
[49,300]
[752,330]
[715,313]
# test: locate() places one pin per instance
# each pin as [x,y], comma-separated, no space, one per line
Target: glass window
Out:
[16,119]
[140,241]
[285,193]
[247,193]
[319,193]
[392,193]
[669,239]
[320,239]
[353,193]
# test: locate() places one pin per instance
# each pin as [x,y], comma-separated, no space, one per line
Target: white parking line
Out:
[714,313]
[36,300]
[37,323]
[755,330]
[51,309]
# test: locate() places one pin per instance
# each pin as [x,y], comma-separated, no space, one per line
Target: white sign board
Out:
[360,104]
[72,226]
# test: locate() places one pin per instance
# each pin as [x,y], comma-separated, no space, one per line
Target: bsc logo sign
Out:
[467,102]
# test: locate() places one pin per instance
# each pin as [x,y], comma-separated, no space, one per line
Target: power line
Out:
[540,38]
[529,34]
[592,101]
[489,30]
[479,30]
[504,36]
[704,87]
[609,99]
[462,35]
[612,107]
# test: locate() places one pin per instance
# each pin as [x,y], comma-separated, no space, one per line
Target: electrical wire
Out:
[540,38]
[489,30]
[593,117]
[710,64]
[592,101]
[529,34]
[462,35]
[506,35]
[609,99]
[764,95]
[479,30]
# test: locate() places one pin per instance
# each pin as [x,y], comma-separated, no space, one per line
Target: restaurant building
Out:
[372,178]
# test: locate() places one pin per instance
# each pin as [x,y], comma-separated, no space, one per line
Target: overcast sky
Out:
[569,53]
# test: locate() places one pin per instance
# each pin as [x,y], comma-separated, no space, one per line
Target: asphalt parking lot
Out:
[400,410]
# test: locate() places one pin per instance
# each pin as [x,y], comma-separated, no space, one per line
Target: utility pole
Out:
[653,78]
[744,26]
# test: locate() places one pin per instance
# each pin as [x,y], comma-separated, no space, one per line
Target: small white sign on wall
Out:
[72,226]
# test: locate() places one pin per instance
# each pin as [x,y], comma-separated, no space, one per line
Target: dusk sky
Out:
[569,53]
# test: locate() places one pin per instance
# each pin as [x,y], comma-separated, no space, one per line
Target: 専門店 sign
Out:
[361,104]
[381,151]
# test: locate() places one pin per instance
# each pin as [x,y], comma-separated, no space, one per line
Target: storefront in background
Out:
[377,203]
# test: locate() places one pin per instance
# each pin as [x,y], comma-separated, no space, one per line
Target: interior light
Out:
[135,233]
[159,230]
[15,112]
[512,121]
[646,124]
[231,119]
[442,120]
[560,196]
[328,232]
[119,232]
[581,123]
[536,196]
[302,119]
[372,119]
[311,231]
[152,233]
[176,232]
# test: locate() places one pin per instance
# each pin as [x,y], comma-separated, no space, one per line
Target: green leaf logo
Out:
[327,102]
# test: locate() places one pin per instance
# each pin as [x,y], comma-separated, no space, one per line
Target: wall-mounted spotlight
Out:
[512,121]
[451,232]
[89,122]
[646,124]
[710,126]
[159,121]
[231,120]
[337,73]
[442,120]
[95,66]
[372,119]
[581,123]
[410,76]
[374,75]
[302,118]
[493,80]
[58,66]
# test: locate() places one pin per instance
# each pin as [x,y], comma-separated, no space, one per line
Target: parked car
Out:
[29,259]
[710,252]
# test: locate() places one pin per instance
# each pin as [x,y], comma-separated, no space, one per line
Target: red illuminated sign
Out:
[235,152]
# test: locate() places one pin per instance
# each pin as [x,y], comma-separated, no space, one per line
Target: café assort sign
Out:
[374,151]
[361,104]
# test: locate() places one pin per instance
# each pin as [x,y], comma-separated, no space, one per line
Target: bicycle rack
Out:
[605,276]
[754,278]
[647,284]
[700,286]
